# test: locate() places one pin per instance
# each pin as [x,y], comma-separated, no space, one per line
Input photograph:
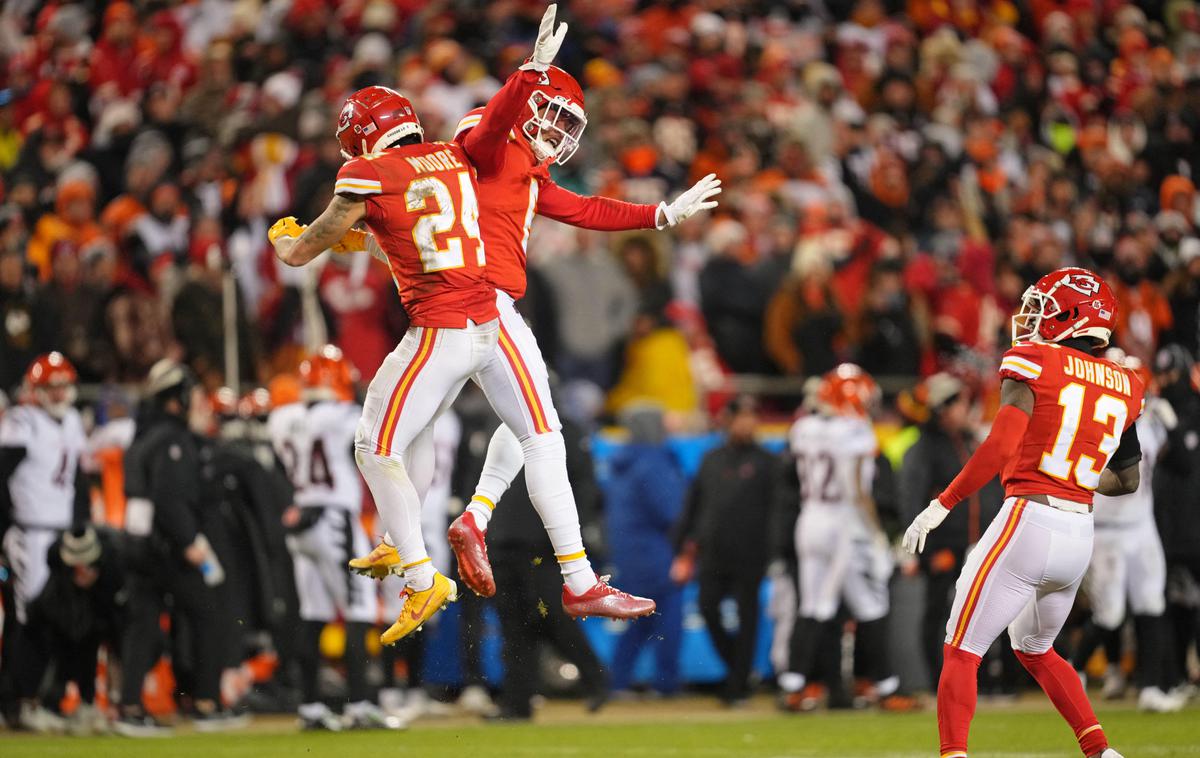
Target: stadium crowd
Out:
[895,174]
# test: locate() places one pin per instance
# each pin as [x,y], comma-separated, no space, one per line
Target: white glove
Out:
[691,202]
[548,41]
[925,522]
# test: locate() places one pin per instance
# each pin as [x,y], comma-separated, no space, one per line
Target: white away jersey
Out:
[43,486]
[316,445]
[835,458]
[1137,506]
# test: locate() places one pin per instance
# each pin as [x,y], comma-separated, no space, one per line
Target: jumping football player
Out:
[41,495]
[843,553]
[419,201]
[1065,431]
[548,133]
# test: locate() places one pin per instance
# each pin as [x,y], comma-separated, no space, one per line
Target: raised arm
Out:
[485,143]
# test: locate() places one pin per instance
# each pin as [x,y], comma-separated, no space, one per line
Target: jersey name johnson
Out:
[1082,406]
[423,208]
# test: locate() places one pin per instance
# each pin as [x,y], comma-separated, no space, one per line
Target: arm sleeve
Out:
[1129,452]
[169,483]
[485,142]
[600,213]
[986,462]
[83,498]
[357,177]
[691,508]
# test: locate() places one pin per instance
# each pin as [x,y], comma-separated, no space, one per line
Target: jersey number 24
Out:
[443,220]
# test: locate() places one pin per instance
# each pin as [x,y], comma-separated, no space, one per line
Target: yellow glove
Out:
[285,227]
[353,241]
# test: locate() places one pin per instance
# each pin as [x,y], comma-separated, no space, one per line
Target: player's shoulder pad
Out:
[358,177]
[468,122]
[1023,362]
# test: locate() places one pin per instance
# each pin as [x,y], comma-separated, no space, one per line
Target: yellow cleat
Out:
[419,607]
[381,562]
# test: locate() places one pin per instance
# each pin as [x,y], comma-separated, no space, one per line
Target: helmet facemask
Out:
[554,128]
[1026,323]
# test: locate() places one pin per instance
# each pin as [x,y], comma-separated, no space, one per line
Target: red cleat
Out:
[470,549]
[606,601]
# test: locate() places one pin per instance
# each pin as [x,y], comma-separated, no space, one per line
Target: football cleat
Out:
[1114,684]
[367,715]
[379,563]
[807,699]
[419,607]
[606,601]
[470,549]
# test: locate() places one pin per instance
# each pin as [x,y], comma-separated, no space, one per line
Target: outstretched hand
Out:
[549,40]
[695,199]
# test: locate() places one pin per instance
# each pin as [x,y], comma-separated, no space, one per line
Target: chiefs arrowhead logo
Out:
[344,118]
[545,80]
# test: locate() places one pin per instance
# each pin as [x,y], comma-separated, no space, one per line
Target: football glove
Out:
[353,241]
[925,522]
[691,202]
[549,40]
[285,227]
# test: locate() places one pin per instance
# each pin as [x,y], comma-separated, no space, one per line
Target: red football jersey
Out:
[423,209]
[1082,405]
[509,199]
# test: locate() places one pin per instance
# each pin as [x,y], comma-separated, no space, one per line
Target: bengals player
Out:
[419,200]
[1065,431]
[547,133]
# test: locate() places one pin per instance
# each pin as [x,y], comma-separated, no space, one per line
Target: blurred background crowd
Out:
[895,173]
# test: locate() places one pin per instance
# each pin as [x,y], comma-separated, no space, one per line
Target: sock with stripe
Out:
[957,694]
[503,462]
[1062,685]
[550,491]
[399,508]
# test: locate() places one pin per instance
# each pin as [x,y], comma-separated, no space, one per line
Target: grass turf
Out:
[658,730]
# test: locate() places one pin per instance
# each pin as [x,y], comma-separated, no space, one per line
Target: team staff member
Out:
[945,444]
[723,538]
[172,557]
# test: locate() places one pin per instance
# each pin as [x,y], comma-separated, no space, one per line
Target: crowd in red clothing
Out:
[896,172]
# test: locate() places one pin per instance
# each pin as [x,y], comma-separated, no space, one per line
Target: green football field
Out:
[688,728]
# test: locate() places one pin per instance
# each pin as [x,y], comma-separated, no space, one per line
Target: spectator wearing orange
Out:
[73,221]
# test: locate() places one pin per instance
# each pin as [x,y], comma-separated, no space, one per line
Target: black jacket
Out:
[71,613]
[729,511]
[929,465]
[163,466]
[1177,477]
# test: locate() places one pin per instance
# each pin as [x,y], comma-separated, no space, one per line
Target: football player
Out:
[42,493]
[1128,564]
[843,553]
[418,200]
[314,440]
[1065,431]
[548,132]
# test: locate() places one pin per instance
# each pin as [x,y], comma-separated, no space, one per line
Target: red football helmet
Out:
[847,391]
[50,381]
[1069,302]
[327,375]
[558,116]
[373,118]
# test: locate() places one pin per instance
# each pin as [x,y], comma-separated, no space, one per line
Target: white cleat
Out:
[1110,753]
[476,701]
[1154,700]
[35,718]
[1114,684]
[367,715]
